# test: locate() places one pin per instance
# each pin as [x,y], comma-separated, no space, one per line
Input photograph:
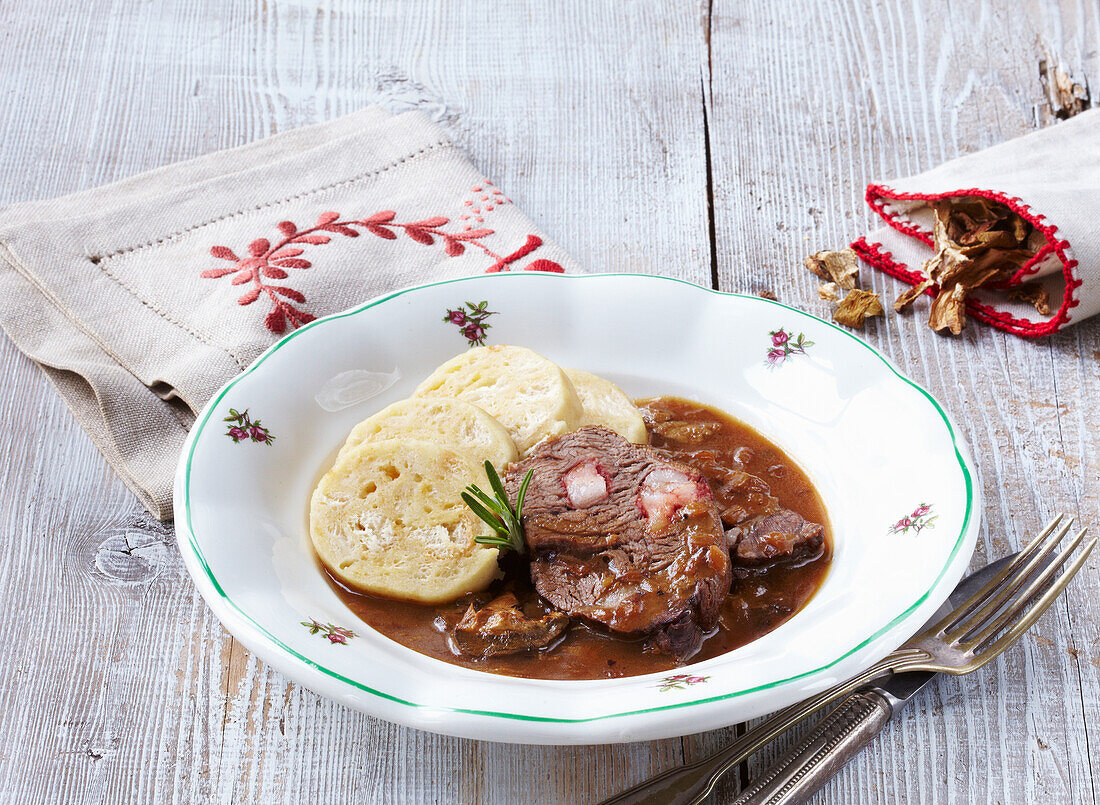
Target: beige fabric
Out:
[104,288]
[1053,173]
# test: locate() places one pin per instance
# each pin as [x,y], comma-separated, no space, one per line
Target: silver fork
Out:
[968,638]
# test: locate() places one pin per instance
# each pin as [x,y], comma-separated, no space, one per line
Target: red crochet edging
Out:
[873,254]
[879,195]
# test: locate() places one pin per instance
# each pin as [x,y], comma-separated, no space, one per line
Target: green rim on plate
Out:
[212,406]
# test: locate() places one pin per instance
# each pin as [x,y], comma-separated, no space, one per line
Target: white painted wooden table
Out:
[715,141]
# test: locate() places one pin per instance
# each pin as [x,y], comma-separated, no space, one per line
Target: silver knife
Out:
[800,772]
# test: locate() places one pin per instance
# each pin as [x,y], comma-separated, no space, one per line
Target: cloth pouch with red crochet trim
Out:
[1052,179]
[141,298]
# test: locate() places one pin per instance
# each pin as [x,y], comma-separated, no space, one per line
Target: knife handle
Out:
[836,739]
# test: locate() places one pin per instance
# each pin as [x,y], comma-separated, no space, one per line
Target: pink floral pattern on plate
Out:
[783,346]
[679,682]
[920,519]
[242,428]
[331,632]
[471,320]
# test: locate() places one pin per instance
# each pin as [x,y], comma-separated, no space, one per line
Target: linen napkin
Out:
[141,298]
[1051,178]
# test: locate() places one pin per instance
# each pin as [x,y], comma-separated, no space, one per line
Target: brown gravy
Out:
[760,599]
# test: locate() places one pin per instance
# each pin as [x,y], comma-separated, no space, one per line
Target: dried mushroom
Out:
[948,310]
[978,241]
[840,267]
[856,307]
[910,295]
[1033,294]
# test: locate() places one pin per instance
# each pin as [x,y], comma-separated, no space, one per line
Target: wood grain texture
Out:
[839,94]
[604,122]
[128,689]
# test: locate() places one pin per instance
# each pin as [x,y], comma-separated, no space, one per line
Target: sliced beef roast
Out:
[501,627]
[760,530]
[622,536]
[742,495]
[781,535]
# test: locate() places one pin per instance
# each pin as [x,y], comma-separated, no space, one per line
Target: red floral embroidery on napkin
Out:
[267,261]
[483,199]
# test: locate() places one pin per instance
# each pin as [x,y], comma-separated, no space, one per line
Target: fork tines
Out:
[1016,597]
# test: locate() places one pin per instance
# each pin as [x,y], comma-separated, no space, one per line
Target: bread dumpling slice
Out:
[606,404]
[443,421]
[388,519]
[528,394]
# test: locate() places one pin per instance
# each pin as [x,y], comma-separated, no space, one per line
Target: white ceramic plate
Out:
[896,479]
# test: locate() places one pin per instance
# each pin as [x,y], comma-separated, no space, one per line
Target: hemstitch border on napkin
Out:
[98,259]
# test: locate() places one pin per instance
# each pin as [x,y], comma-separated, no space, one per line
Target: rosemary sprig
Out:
[498,513]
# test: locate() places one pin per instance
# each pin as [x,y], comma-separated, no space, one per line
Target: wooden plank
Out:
[126,689]
[836,95]
[591,118]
